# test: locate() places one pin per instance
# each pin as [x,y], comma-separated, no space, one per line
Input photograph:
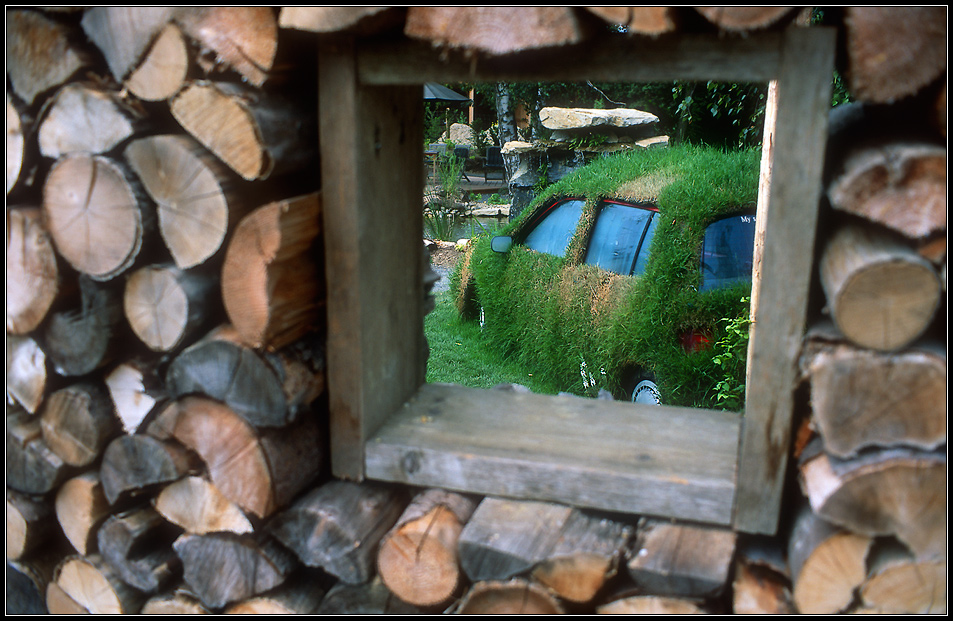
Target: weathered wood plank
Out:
[601,454]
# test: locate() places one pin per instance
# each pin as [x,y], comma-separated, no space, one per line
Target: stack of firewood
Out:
[166,424]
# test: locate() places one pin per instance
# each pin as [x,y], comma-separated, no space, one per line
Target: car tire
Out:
[646,392]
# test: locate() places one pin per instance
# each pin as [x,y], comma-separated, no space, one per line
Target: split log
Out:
[893,51]
[517,596]
[900,185]
[94,587]
[85,118]
[33,276]
[651,605]
[880,292]
[418,559]
[260,470]
[370,598]
[243,38]
[643,20]
[164,68]
[272,277]
[495,30]
[16,144]
[166,306]
[134,465]
[78,421]
[124,33]
[32,468]
[827,564]
[136,391]
[137,545]
[887,492]
[584,558]
[41,54]
[746,18]
[195,505]
[27,374]
[196,196]
[31,523]
[221,568]
[300,594]
[177,602]
[86,333]
[761,584]
[897,583]
[256,133]
[682,560]
[505,538]
[96,214]
[267,389]
[362,20]
[338,527]
[81,508]
[895,399]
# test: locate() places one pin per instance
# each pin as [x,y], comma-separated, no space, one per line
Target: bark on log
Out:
[682,560]
[256,133]
[134,465]
[895,399]
[898,583]
[221,568]
[196,196]
[27,374]
[418,559]
[900,185]
[370,598]
[164,68]
[78,422]
[137,545]
[166,306]
[40,54]
[272,277]
[96,214]
[746,18]
[514,597]
[92,585]
[243,38]
[893,51]
[260,470]
[827,564]
[495,30]
[196,505]
[880,292]
[81,508]
[894,492]
[25,590]
[362,20]
[85,118]
[338,527]
[761,584]
[33,276]
[31,523]
[177,602]
[643,20]
[136,390]
[124,34]
[32,467]
[300,594]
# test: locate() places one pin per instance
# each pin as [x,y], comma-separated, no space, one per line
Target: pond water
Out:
[448,228]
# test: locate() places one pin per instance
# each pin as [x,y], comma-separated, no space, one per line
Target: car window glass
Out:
[617,236]
[728,251]
[552,234]
[644,248]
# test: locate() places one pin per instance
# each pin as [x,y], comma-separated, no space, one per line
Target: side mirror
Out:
[501,243]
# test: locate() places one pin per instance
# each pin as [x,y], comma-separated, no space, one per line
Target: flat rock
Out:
[581,118]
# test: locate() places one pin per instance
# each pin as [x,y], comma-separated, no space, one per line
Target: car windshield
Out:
[619,242]
[728,251]
[554,231]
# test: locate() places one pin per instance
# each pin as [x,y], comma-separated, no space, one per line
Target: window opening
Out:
[618,236]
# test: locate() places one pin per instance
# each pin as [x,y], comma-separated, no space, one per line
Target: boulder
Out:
[584,118]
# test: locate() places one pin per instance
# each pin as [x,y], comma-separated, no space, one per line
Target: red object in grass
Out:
[695,341]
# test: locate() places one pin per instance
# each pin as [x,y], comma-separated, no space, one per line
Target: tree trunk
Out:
[81,507]
[134,465]
[81,193]
[881,293]
[166,306]
[32,467]
[164,68]
[84,118]
[893,51]
[196,505]
[198,199]
[418,559]
[137,545]
[124,33]
[898,583]
[40,54]
[93,586]
[78,422]
[517,596]
[272,277]
[339,526]
[33,276]
[221,568]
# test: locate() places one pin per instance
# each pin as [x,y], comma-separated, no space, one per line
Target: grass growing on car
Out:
[631,319]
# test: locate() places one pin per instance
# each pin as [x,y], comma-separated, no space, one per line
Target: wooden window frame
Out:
[387,424]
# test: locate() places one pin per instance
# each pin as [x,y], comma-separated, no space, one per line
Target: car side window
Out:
[556,228]
[727,255]
[619,241]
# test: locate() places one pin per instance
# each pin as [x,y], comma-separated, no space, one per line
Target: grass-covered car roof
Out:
[584,328]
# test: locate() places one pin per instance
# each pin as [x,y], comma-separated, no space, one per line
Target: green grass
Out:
[460,355]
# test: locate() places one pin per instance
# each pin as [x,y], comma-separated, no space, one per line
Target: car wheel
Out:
[646,392]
